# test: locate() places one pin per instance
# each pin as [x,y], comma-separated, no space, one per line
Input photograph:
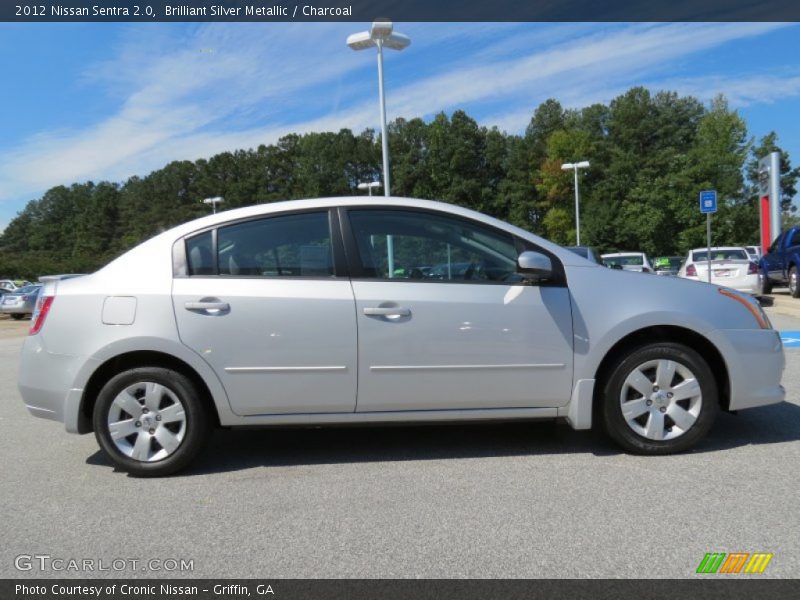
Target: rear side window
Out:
[296,245]
[200,254]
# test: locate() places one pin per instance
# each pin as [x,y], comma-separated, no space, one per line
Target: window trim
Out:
[357,271]
[180,262]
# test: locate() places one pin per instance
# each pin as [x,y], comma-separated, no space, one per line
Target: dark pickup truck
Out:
[780,265]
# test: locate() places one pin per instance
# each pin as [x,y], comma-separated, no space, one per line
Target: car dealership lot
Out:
[498,500]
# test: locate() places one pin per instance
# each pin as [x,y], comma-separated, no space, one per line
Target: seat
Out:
[201,262]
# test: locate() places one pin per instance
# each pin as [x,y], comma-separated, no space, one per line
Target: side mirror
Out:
[534,265]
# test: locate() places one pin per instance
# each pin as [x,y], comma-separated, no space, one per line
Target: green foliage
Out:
[650,154]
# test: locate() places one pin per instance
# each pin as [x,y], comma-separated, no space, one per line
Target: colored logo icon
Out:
[735,562]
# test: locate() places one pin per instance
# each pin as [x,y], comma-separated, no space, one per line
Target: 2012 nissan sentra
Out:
[322,312]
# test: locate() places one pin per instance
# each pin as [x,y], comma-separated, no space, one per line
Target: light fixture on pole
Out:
[381,36]
[584,164]
[213,202]
[369,186]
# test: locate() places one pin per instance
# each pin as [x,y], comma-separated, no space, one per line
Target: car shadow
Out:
[234,450]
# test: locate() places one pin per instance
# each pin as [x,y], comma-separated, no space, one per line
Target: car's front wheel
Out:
[150,421]
[660,399]
[794,288]
[17,316]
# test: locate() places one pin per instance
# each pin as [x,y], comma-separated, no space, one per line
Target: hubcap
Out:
[793,281]
[661,399]
[147,421]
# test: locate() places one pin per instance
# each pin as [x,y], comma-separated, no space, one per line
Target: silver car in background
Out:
[20,302]
[313,312]
[628,261]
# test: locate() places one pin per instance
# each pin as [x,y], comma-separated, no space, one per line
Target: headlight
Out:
[754,308]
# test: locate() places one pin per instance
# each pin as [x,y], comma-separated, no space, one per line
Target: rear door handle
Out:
[388,311]
[208,307]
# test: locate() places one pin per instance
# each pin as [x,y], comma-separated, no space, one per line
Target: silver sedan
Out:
[320,312]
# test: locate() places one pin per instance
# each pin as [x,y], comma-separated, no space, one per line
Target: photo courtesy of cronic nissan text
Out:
[373,299]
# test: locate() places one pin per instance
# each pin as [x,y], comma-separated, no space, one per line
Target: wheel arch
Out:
[131,360]
[663,333]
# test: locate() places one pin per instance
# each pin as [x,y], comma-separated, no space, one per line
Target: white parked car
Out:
[754,252]
[317,312]
[628,261]
[731,267]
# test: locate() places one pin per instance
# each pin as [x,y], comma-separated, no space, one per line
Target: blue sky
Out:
[106,101]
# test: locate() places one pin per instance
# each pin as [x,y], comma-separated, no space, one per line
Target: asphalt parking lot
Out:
[502,500]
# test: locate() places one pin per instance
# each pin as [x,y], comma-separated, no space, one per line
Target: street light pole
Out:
[213,202]
[584,164]
[369,186]
[381,35]
[384,134]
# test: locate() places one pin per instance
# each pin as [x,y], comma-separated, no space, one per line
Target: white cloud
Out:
[220,87]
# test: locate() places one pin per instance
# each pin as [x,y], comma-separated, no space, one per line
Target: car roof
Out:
[613,254]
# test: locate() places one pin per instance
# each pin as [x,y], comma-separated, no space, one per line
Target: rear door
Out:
[264,304]
[445,322]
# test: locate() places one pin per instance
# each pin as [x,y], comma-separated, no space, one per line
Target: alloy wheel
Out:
[147,421]
[661,399]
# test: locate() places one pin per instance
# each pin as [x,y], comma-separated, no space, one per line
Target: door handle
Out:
[387,311]
[208,307]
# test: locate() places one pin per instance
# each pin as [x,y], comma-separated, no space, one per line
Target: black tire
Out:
[197,421]
[794,287]
[764,283]
[623,434]
[17,316]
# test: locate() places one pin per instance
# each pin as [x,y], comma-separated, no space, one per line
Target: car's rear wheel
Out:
[660,399]
[794,288]
[17,316]
[150,421]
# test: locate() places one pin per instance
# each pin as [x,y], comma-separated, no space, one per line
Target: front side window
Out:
[398,244]
[297,245]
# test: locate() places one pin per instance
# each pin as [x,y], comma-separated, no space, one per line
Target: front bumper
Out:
[46,383]
[755,362]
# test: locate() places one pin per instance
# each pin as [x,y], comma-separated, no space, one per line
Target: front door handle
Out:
[209,307]
[387,311]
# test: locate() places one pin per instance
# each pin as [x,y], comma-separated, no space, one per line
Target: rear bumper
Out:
[51,396]
[18,309]
[755,362]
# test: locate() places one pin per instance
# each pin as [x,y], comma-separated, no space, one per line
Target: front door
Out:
[445,322]
[262,305]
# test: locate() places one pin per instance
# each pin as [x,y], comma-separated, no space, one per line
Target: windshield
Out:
[636,260]
[730,254]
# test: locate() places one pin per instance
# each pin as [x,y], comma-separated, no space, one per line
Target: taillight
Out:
[691,271]
[752,269]
[40,313]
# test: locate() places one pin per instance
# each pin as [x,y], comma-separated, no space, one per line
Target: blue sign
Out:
[708,201]
[790,339]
